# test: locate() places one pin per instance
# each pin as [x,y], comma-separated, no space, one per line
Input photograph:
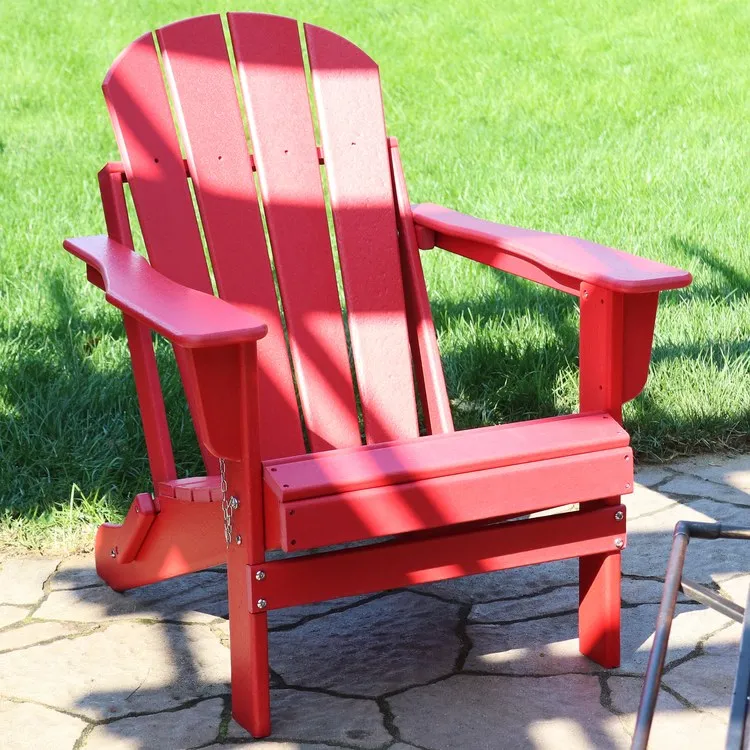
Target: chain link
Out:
[228,505]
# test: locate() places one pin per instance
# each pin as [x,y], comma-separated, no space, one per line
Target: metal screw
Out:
[234,503]
[619,515]
[259,575]
[627,485]
[238,539]
[619,543]
[262,603]
[113,552]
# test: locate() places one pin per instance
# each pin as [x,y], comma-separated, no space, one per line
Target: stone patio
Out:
[474,663]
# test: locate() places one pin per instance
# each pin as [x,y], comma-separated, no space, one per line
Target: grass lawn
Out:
[622,122]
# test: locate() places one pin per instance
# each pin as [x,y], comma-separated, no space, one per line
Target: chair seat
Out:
[346,470]
[431,482]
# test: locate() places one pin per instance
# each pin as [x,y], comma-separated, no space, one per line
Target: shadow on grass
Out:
[728,283]
[71,416]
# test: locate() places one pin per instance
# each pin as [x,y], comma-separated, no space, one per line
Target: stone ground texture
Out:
[475,663]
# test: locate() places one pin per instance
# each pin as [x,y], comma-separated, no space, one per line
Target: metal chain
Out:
[228,505]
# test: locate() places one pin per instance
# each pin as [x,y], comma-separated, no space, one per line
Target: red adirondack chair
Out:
[278,407]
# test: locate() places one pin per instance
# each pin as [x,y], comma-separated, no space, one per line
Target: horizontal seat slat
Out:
[450,454]
[486,495]
[192,489]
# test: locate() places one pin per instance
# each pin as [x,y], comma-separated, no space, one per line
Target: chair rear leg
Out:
[248,644]
[599,608]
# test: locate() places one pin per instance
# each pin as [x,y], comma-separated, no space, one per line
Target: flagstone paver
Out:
[562,711]
[26,726]
[736,588]
[723,470]
[36,632]
[695,487]
[673,726]
[708,679]
[112,672]
[407,639]
[171,730]
[505,584]
[268,745]
[21,580]
[9,614]
[75,572]
[312,716]
[480,662]
[200,597]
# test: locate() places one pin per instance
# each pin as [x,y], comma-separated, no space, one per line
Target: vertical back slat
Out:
[350,110]
[142,120]
[200,78]
[274,87]
[145,134]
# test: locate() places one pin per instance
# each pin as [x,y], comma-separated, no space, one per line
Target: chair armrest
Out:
[562,260]
[185,316]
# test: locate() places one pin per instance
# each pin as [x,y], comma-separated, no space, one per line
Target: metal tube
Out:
[655,667]
[704,595]
[734,532]
[738,712]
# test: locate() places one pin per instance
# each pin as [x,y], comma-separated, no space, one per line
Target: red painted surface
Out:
[428,368]
[201,84]
[458,498]
[248,630]
[272,76]
[145,372]
[346,85]
[192,489]
[185,316]
[553,253]
[601,386]
[442,455]
[183,538]
[444,497]
[299,580]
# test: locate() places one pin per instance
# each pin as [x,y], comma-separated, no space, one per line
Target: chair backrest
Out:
[269,247]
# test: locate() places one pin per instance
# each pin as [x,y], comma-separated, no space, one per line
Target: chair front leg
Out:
[601,389]
[227,411]
[599,608]
[248,631]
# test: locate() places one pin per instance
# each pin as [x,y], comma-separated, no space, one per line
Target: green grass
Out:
[622,122]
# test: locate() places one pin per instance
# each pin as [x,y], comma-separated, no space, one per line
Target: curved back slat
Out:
[139,109]
[201,83]
[274,87]
[352,129]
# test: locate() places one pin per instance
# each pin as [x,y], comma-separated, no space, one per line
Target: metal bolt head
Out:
[238,539]
[619,515]
[259,575]
[262,603]
[113,552]
[619,543]
[234,503]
